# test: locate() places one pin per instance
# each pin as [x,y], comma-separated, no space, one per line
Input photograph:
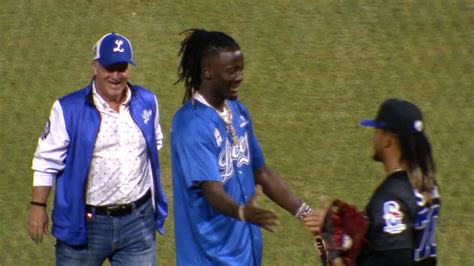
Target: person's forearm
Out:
[276,189]
[40,193]
[219,199]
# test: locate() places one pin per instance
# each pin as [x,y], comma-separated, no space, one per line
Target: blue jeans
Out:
[125,240]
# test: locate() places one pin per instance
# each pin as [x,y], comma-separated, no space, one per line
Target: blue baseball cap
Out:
[398,116]
[113,48]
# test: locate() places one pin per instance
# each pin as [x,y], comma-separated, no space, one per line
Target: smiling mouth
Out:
[115,83]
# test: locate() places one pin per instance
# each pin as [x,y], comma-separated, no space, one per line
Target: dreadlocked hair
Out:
[197,44]
[416,152]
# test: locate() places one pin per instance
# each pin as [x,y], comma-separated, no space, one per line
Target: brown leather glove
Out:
[342,234]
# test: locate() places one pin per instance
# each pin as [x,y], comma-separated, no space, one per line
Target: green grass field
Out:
[313,70]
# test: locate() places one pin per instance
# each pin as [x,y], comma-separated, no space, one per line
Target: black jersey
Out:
[402,225]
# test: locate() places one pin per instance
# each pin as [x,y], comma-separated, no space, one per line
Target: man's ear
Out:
[207,67]
[206,72]
[94,68]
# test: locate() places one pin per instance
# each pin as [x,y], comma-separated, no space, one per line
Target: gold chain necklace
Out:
[226,116]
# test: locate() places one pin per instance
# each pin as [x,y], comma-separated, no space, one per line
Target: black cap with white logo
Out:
[398,116]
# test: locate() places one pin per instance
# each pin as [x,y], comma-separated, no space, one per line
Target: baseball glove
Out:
[342,234]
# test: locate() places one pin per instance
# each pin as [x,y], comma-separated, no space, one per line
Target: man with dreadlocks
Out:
[402,213]
[218,167]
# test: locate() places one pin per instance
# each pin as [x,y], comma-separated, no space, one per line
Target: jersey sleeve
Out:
[197,156]
[258,160]
[392,219]
[51,150]
[257,157]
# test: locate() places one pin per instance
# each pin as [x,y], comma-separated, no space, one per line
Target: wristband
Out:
[302,211]
[241,213]
[38,203]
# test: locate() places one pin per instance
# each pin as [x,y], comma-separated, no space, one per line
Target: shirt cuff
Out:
[43,179]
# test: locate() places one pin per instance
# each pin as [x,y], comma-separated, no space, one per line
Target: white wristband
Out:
[241,213]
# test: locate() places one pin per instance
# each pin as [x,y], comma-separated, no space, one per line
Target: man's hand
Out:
[315,220]
[216,196]
[37,223]
[261,217]
[337,262]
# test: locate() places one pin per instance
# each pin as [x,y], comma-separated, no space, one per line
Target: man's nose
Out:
[116,74]
[240,76]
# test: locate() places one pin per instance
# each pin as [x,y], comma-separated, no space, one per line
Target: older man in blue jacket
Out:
[100,149]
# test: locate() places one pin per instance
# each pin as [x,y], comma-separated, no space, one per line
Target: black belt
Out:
[121,209]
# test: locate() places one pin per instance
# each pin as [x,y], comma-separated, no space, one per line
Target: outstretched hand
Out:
[315,220]
[253,214]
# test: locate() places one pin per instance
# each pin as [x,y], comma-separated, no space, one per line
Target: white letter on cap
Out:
[118,43]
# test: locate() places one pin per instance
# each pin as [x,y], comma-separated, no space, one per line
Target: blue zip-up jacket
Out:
[82,124]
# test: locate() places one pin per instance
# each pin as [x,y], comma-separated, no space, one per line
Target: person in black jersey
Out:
[403,212]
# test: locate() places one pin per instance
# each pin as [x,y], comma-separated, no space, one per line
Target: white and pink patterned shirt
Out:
[120,170]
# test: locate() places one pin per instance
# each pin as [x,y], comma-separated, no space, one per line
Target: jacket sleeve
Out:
[158,132]
[51,151]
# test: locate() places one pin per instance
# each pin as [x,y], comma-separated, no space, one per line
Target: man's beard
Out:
[376,157]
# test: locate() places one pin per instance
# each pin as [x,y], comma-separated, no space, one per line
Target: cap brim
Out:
[106,62]
[368,123]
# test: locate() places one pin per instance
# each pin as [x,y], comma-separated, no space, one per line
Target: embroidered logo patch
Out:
[146,115]
[46,130]
[393,218]
[118,48]
[418,125]
[217,135]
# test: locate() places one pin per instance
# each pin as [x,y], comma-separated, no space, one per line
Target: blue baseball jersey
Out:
[203,150]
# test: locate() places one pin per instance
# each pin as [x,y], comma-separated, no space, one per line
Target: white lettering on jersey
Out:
[118,48]
[393,218]
[426,221]
[244,121]
[217,135]
[233,153]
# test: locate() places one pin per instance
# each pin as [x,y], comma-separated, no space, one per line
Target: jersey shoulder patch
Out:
[393,218]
